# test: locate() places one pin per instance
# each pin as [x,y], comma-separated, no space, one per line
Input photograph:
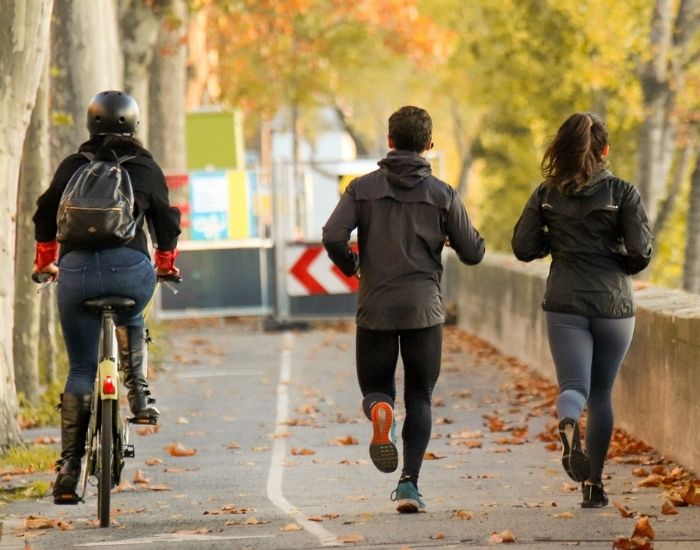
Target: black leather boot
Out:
[75,416]
[131,342]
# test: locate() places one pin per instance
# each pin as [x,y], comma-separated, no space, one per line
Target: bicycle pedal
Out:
[129,451]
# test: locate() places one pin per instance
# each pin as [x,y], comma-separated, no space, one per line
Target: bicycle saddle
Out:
[109,302]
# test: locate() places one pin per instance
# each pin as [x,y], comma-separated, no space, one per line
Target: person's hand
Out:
[447,241]
[51,269]
[358,274]
[165,272]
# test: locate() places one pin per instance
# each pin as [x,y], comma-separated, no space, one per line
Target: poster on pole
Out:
[209,205]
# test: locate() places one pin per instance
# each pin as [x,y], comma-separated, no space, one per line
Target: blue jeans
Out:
[84,275]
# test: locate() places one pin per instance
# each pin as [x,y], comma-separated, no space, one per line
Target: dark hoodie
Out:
[147,180]
[403,215]
[598,237]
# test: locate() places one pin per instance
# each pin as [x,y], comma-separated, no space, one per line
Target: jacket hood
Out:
[595,182]
[404,168]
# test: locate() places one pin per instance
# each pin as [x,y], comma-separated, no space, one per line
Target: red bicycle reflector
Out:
[108,386]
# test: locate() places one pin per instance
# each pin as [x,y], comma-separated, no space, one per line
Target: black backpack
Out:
[97,206]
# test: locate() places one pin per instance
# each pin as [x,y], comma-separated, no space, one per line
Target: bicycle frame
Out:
[105,398]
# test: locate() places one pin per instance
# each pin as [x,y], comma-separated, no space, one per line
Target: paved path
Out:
[252,404]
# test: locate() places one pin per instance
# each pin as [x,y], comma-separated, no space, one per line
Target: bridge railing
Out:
[657,394]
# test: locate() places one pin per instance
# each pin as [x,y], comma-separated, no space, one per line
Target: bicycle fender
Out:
[108,379]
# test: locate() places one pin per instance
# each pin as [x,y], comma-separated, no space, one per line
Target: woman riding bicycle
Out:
[95,271]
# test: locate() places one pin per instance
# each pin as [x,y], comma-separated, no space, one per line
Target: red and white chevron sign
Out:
[311,272]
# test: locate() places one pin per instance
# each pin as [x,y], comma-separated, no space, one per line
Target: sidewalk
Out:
[281,458]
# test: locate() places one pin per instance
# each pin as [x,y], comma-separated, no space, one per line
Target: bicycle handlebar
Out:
[170,278]
[40,278]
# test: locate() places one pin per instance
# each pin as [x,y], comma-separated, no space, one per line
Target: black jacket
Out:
[403,214]
[150,194]
[598,237]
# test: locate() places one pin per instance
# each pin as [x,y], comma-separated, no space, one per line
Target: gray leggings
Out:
[587,354]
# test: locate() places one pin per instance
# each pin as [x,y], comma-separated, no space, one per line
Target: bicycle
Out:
[107,440]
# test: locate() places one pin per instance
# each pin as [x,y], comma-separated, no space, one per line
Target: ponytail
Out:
[575,153]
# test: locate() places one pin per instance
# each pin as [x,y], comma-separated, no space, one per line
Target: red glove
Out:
[165,260]
[46,253]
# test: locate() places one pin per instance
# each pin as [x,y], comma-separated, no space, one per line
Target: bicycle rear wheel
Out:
[104,482]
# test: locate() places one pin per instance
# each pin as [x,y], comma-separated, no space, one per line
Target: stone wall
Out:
[657,394]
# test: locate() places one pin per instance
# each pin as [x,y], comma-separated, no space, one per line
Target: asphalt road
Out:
[281,459]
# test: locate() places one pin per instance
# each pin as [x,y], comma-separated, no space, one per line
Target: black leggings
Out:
[587,353]
[377,352]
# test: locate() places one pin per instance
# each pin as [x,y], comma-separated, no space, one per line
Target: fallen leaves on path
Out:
[177,450]
[634,543]
[462,514]
[302,452]
[503,537]
[624,511]
[430,455]
[347,440]
[161,487]
[42,522]
[148,430]
[291,527]
[643,529]
[228,509]
[564,515]
[140,478]
[153,462]
[667,508]
[233,445]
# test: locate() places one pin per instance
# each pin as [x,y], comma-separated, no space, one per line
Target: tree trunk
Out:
[33,179]
[666,208]
[85,59]
[23,45]
[691,267]
[168,86]
[654,80]
[139,23]
[662,79]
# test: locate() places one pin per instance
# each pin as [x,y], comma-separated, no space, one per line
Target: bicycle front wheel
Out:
[104,483]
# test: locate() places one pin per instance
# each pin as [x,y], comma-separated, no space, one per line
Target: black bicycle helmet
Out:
[112,112]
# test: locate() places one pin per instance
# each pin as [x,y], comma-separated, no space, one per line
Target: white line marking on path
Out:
[274,479]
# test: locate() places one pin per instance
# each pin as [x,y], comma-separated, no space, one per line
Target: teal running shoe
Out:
[408,499]
[382,449]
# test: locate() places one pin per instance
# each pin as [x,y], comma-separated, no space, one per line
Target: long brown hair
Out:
[575,153]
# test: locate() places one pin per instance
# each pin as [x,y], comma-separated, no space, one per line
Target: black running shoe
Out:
[573,459]
[593,495]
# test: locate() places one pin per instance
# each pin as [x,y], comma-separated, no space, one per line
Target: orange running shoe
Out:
[382,449]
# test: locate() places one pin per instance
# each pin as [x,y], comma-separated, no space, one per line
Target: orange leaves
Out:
[347,440]
[42,522]
[643,529]
[503,537]
[668,509]
[177,450]
[462,514]
[622,508]
[640,539]
[302,451]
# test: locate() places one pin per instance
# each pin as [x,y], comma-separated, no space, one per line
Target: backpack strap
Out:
[123,159]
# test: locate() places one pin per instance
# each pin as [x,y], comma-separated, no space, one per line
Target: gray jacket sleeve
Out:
[530,240]
[636,233]
[336,233]
[464,238]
